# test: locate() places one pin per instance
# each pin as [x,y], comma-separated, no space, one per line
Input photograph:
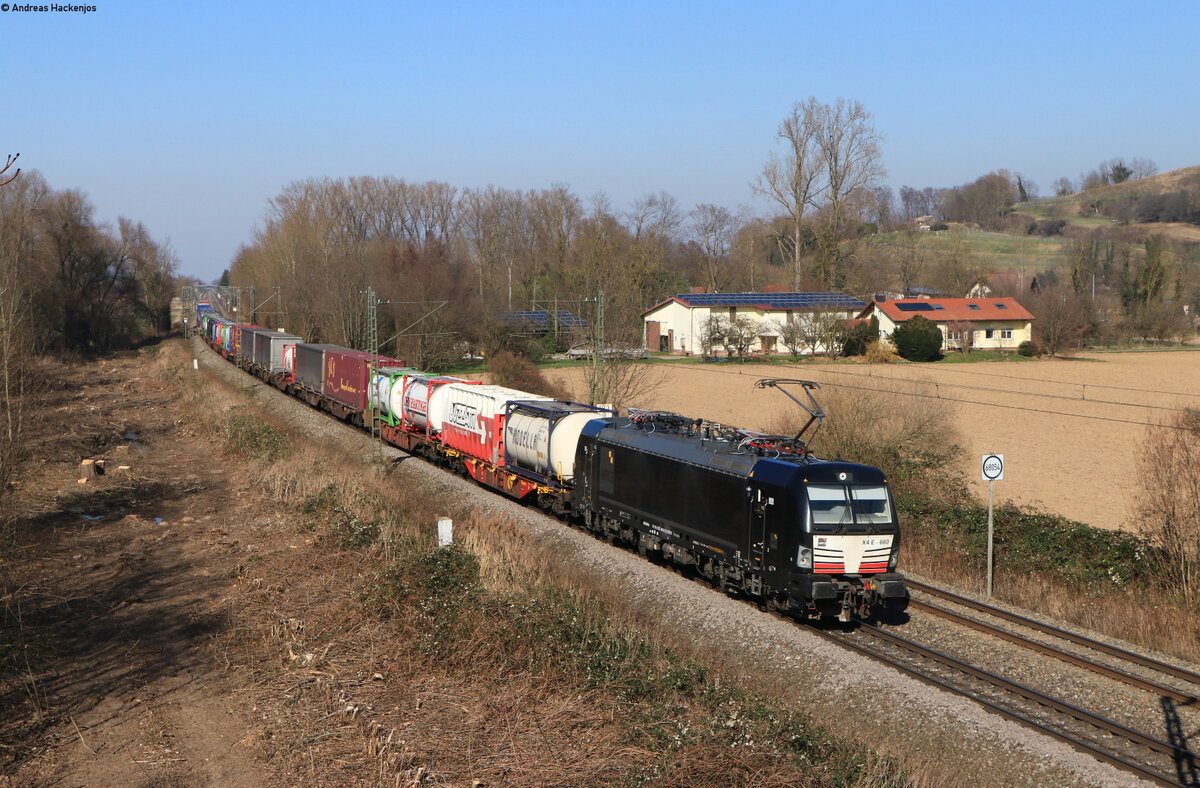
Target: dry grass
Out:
[488,661]
[914,441]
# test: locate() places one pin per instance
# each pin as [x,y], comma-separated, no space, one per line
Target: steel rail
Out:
[1177,754]
[1129,656]
[1058,653]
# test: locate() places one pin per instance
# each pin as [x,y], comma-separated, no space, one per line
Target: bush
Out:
[1028,349]
[918,339]
[939,227]
[881,352]
[858,338]
[1046,227]
[521,374]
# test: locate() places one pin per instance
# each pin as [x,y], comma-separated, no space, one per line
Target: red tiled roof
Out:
[944,310]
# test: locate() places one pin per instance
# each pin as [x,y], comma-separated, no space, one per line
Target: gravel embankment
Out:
[848,694]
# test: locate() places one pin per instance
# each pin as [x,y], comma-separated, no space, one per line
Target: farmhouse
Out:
[677,324]
[992,323]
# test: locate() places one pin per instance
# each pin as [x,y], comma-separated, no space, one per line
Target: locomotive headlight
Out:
[804,558]
[892,558]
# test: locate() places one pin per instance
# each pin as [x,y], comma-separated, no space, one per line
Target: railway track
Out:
[1123,674]
[1148,757]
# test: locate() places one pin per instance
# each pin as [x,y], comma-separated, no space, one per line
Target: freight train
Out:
[755,514]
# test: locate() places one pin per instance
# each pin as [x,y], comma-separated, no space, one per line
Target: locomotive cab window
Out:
[871,505]
[837,507]
[828,504]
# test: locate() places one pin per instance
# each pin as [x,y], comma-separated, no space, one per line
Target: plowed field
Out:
[1069,429]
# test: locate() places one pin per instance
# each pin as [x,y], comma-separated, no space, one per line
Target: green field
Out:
[993,250]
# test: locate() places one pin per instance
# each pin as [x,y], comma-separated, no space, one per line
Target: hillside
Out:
[1121,208]
[988,249]
[1111,210]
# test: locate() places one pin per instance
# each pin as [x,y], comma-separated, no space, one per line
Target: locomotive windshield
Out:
[834,507]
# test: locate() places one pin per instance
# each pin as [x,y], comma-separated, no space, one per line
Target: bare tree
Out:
[1063,187]
[740,334]
[792,335]
[655,216]
[11,160]
[851,159]
[714,227]
[960,335]
[823,331]
[795,180]
[712,334]
[1142,168]
[1061,319]
[19,235]
[910,261]
[830,161]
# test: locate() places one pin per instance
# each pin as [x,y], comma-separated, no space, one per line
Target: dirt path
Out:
[119,607]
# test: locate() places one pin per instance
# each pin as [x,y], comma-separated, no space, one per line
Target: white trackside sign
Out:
[993,467]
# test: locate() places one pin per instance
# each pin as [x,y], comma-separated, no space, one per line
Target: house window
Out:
[988,334]
[1002,306]
[732,313]
[1006,333]
[973,307]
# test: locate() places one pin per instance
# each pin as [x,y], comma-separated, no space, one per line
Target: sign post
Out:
[992,469]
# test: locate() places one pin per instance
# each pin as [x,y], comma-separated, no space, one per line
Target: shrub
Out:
[913,440]
[521,374]
[940,226]
[858,338]
[1028,349]
[881,352]
[918,339]
[1169,499]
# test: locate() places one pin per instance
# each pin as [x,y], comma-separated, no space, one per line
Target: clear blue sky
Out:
[190,116]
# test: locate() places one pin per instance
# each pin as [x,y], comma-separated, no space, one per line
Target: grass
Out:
[994,249]
[976,356]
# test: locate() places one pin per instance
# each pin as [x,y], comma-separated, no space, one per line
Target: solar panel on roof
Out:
[772,300]
[923,306]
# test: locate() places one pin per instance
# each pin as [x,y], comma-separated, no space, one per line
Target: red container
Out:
[348,374]
[472,417]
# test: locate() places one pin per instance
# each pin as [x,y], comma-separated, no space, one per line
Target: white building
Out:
[989,323]
[677,324]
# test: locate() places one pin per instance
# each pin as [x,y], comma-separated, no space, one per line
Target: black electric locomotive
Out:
[754,513]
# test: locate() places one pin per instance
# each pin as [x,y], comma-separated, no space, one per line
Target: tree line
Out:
[450,262]
[69,284]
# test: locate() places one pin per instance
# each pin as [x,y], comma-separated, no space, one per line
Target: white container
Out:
[543,437]
[385,380]
[289,360]
[414,407]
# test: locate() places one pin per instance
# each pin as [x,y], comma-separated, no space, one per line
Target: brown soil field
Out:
[1068,428]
